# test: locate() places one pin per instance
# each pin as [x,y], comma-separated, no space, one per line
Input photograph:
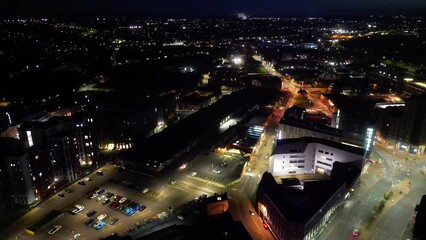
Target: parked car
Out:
[114,220]
[54,229]
[91,213]
[90,221]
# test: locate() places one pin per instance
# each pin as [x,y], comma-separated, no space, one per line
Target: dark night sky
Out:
[214,7]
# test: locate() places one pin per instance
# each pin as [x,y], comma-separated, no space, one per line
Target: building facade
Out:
[17,176]
[308,155]
[412,130]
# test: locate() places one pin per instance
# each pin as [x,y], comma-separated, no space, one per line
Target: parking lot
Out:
[216,168]
[159,194]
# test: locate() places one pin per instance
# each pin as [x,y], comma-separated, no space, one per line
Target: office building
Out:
[294,209]
[412,130]
[308,155]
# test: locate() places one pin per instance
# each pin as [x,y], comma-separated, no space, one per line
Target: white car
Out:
[100,198]
[77,209]
[180,217]
[193,173]
[122,200]
[101,217]
[145,190]
[54,229]
[76,236]
[93,195]
[217,171]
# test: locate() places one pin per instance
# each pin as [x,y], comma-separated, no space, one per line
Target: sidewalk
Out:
[400,154]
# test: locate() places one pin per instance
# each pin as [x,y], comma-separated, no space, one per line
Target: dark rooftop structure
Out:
[12,147]
[313,127]
[419,231]
[299,205]
[214,228]
[161,149]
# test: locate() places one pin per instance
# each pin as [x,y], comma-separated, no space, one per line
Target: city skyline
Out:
[193,8]
[199,120]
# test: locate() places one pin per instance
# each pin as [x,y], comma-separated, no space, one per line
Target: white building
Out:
[308,155]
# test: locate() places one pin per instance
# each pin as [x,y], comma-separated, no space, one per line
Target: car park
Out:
[54,229]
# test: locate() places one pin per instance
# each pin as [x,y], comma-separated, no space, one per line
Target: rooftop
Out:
[307,140]
[301,204]
[313,127]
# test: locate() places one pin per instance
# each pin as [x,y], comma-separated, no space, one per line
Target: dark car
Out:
[114,220]
[69,190]
[61,195]
[100,173]
[81,183]
[91,213]
[90,221]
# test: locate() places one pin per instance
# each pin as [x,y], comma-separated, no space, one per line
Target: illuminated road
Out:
[395,174]
[294,88]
